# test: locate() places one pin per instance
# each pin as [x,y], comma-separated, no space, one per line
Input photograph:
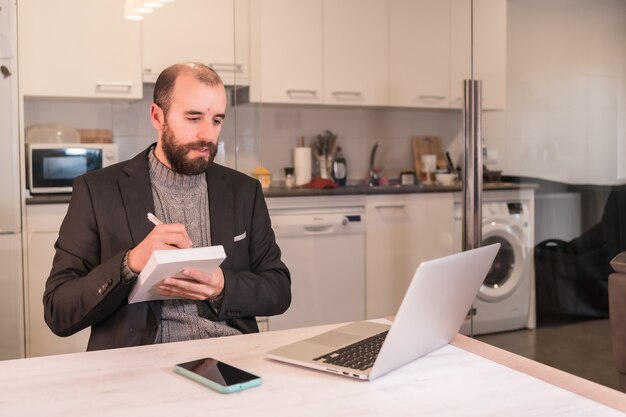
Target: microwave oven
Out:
[52,167]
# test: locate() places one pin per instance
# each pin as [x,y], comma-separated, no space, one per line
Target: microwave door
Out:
[53,170]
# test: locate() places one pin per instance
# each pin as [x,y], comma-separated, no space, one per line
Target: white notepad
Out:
[170,263]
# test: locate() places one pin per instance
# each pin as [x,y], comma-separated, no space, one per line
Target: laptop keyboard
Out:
[360,355]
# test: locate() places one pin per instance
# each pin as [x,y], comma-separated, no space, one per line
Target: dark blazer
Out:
[107,217]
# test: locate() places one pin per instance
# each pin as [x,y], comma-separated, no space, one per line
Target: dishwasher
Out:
[324,249]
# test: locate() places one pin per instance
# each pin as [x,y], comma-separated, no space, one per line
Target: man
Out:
[106,239]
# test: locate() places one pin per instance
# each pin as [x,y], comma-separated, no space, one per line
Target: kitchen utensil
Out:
[96,135]
[450,164]
[427,145]
[445,178]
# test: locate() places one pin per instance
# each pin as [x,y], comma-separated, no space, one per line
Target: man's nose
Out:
[208,132]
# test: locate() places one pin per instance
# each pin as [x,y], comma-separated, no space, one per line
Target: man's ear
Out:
[157,117]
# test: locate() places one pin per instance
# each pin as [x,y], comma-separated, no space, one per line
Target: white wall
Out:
[565,112]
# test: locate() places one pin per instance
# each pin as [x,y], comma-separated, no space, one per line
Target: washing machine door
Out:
[510,264]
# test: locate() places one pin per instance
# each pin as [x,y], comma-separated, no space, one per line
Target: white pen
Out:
[154,219]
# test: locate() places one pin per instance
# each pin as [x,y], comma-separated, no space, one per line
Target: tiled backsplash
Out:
[256,134]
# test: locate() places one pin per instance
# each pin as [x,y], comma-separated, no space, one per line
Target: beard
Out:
[176,154]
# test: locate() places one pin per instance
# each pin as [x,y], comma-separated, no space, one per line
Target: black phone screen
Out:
[218,372]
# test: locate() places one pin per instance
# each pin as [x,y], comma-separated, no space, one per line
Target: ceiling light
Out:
[129,11]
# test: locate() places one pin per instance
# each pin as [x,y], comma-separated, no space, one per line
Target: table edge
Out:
[583,387]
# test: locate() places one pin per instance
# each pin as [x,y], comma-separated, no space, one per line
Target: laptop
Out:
[433,309]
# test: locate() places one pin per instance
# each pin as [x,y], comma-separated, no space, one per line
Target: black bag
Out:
[570,281]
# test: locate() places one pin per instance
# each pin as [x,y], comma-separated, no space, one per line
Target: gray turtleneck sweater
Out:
[184,199]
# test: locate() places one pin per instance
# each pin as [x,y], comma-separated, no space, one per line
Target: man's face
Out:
[189,133]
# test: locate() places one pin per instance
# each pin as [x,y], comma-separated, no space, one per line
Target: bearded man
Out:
[106,239]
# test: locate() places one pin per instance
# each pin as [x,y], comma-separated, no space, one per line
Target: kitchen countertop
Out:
[349,190]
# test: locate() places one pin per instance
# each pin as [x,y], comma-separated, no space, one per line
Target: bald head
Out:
[167,79]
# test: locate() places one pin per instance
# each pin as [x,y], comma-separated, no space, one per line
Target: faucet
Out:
[373,179]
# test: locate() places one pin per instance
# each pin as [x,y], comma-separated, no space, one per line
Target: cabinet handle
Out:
[5,71]
[347,95]
[430,97]
[389,206]
[302,94]
[114,86]
[226,67]
[319,229]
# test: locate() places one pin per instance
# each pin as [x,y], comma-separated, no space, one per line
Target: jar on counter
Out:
[290,179]
[263,175]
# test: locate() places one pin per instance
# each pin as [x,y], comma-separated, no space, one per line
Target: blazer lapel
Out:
[221,208]
[136,192]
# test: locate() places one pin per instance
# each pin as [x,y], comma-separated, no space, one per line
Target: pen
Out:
[154,219]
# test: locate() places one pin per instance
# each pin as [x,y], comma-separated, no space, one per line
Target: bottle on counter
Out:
[340,169]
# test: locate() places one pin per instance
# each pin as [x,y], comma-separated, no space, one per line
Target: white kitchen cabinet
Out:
[419,53]
[43,223]
[303,52]
[355,52]
[77,48]
[213,32]
[489,50]
[402,230]
[287,52]
[11,307]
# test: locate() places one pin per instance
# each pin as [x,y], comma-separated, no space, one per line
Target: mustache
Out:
[200,146]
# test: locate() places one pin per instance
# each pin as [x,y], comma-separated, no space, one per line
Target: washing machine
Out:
[506,300]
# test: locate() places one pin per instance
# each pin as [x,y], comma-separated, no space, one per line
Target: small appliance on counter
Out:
[52,167]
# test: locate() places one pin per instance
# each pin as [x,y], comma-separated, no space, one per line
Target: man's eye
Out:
[193,119]
[218,121]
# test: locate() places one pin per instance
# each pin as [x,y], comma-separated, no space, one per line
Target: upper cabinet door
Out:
[77,48]
[212,32]
[287,51]
[4,18]
[489,50]
[419,53]
[355,52]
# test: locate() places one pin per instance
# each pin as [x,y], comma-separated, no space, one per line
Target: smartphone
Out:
[218,375]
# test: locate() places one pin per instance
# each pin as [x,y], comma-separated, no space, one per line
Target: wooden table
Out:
[466,378]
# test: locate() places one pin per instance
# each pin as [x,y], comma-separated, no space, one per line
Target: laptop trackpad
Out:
[334,339]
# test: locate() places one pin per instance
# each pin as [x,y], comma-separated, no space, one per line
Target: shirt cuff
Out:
[128,275]
[216,303]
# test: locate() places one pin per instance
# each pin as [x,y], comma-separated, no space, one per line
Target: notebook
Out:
[433,309]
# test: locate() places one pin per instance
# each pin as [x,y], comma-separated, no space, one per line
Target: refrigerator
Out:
[11,278]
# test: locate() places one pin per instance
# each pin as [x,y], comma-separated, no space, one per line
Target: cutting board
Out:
[424,145]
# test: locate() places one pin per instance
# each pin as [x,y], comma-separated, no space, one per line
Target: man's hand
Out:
[197,285]
[163,236]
